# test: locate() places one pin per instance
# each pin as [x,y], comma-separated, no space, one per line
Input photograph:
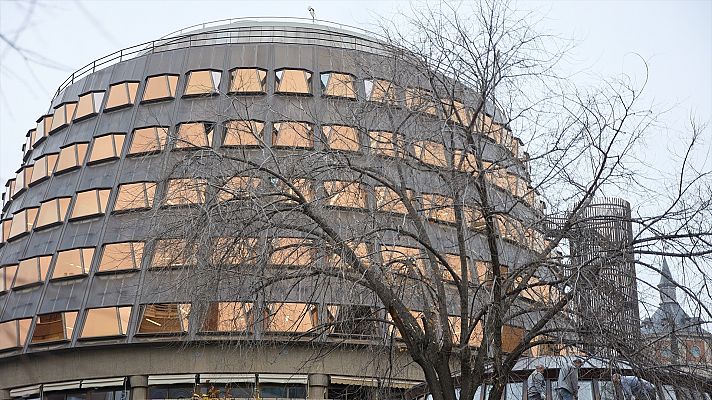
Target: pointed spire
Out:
[667,285]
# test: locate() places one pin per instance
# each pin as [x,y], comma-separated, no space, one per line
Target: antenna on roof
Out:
[311,11]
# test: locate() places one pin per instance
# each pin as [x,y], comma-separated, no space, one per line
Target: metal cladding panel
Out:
[124,227]
[11,252]
[44,241]
[82,233]
[82,131]
[63,185]
[64,295]
[99,176]
[205,57]
[53,142]
[131,70]
[160,113]
[141,169]
[22,303]
[113,289]
[99,80]
[165,62]
[115,121]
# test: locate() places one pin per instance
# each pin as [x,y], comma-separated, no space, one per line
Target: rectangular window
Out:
[161,87]
[71,157]
[194,134]
[228,317]
[352,320]
[173,253]
[387,200]
[22,179]
[54,327]
[89,105]
[360,250]
[535,291]
[43,168]
[291,317]
[164,318]
[475,339]
[345,194]
[205,82]
[380,91]
[135,196]
[484,271]
[73,262]
[431,153]
[292,134]
[22,222]
[185,191]
[62,115]
[403,260]
[510,228]
[420,100]
[387,144]
[148,140]
[5,230]
[234,251]
[475,219]
[512,336]
[439,208]
[293,81]
[291,195]
[457,113]
[107,321]
[7,275]
[287,251]
[89,203]
[239,188]
[465,161]
[121,256]
[120,95]
[107,147]
[31,137]
[52,212]
[340,137]
[13,334]
[335,84]
[32,270]
[244,133]
[248,81]
[44,126]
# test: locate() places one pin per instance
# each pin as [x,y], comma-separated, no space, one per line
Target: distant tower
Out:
[602,259]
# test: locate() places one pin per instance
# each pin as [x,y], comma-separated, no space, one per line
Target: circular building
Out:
[185,211]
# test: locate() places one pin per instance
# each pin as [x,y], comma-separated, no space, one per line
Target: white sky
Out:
[674,37]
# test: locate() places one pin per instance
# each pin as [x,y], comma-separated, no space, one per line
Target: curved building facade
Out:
[142,149]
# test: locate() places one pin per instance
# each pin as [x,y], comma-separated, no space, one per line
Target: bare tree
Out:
[409,215]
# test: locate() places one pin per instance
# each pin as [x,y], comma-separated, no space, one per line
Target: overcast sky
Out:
[673,37]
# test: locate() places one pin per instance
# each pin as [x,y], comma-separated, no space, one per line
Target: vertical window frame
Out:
[101,203]
[160,140]
[130,91]
[215,90]
[95,98]
[170,89]
[76,152]
[262,81]
[117,141]
[289,91]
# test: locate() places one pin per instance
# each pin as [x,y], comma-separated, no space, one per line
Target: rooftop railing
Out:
[249,30]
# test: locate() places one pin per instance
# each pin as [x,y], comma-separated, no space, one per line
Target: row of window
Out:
[221,317]
[250,133]
[284,251]
[253,81]
[188,191]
